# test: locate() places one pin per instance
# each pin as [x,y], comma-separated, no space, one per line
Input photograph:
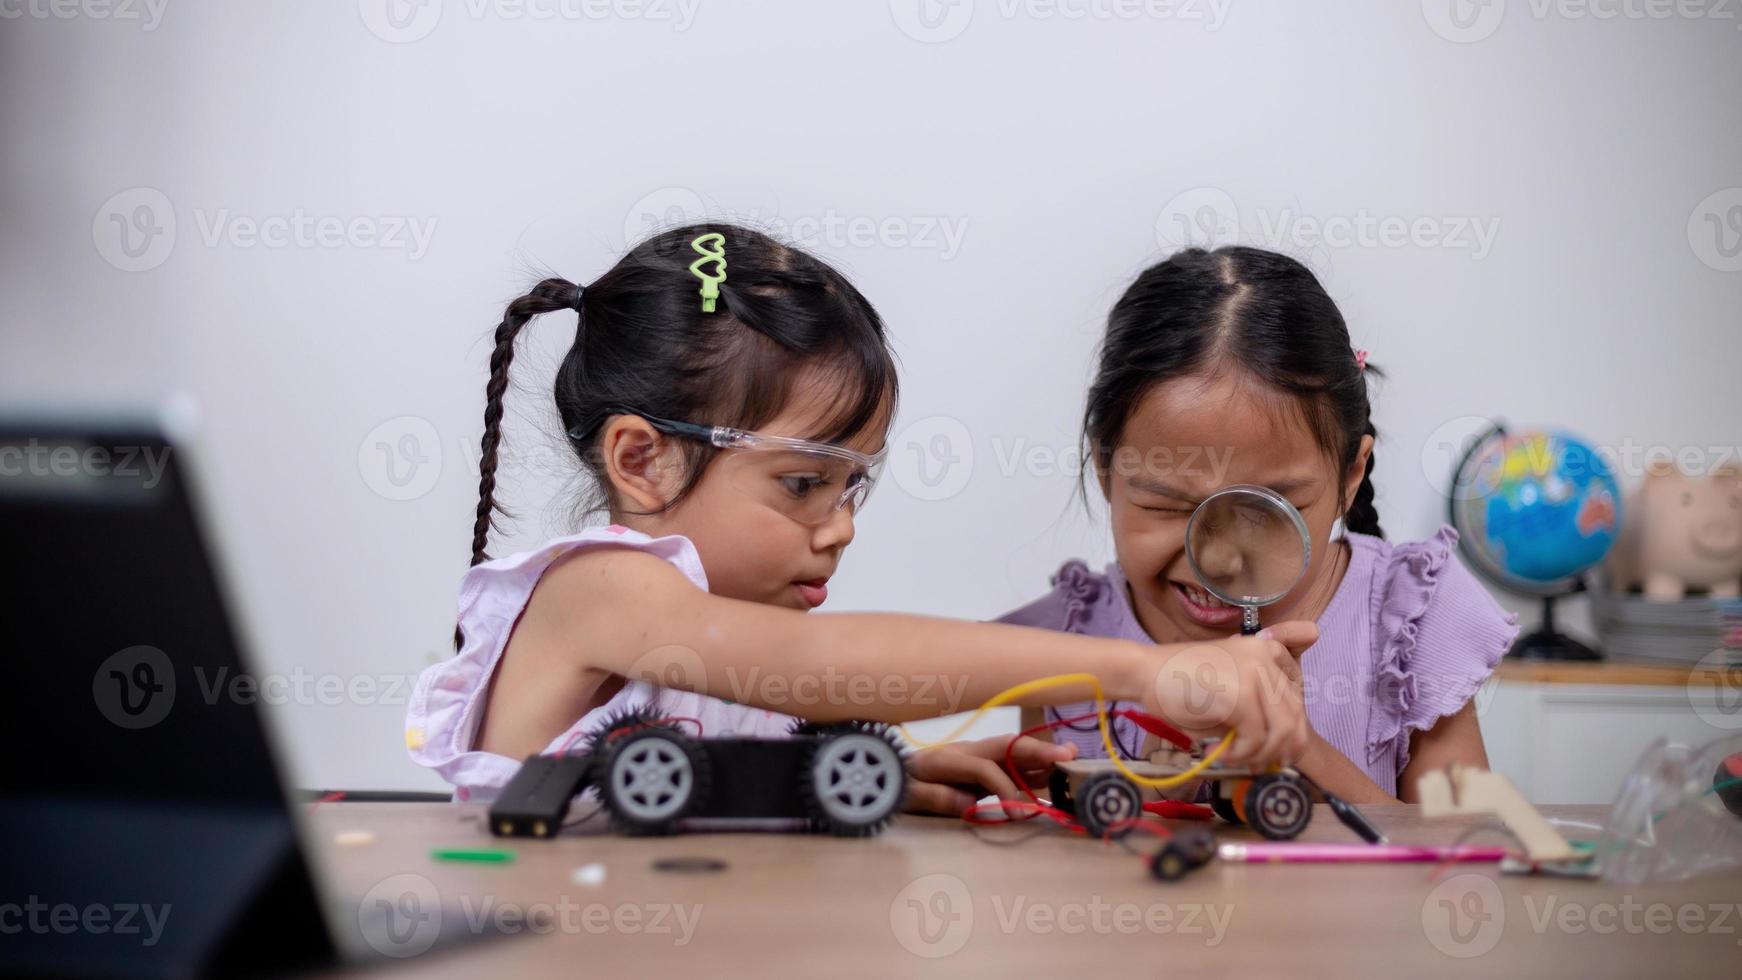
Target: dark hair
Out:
[643,343]
[1243,308]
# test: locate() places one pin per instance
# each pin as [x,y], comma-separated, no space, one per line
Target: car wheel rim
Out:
[1112,807]
[652,779]
[1281,809]
[857,777]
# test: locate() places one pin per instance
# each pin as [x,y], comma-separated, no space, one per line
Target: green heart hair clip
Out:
[714,251]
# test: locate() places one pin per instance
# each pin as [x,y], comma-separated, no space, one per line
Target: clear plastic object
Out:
[1678,814]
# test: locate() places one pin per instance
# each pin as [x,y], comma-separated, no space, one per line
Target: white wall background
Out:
[1062,151]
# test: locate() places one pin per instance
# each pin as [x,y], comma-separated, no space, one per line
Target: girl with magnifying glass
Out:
[1234,367]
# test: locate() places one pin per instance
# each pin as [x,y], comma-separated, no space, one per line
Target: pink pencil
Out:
[1274,853]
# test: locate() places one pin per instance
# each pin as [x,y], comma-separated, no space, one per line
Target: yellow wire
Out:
[1060,680]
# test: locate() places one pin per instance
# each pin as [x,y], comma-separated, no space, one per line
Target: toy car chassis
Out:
[1273,802]
[652,777]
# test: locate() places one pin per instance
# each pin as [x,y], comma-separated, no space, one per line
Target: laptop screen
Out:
[140,798]
[126,673]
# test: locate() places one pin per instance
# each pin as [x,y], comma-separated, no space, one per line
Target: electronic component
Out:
[535,801]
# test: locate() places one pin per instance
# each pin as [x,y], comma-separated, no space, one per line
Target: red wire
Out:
[569,744]
[1033,807]
[1156,726]
[333,797]
[694,721]
[1179,810]
[1010,753]
[972,815]
[630,728]
[1138,823]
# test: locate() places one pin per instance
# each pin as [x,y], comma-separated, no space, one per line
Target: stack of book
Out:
[1634,627]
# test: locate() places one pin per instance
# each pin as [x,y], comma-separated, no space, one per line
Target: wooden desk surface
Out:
[929,898]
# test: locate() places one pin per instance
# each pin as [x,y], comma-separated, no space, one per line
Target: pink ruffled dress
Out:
[447,703]
[1407,639]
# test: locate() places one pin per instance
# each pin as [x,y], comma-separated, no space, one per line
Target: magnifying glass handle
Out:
[1249,620]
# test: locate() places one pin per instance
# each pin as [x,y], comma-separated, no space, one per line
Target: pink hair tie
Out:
[1361,360]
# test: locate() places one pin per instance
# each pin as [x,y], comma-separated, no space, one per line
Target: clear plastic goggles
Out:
[805,480]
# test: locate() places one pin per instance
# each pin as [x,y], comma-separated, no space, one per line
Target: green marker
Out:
[479,856]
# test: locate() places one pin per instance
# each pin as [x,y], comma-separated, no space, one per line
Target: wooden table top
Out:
[930,898]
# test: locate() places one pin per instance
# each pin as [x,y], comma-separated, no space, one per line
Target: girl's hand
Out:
[1248,683]
[948,779]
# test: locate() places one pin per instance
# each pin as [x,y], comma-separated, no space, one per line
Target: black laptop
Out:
[144,827]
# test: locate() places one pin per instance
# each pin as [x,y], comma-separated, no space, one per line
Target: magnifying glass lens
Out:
[1247,545]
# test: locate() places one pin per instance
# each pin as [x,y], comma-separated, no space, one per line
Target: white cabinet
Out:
[1569,733]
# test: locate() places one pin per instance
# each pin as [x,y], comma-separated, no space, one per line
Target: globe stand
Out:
[1547,643]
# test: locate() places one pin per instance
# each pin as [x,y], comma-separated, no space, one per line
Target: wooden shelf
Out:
[1631,672]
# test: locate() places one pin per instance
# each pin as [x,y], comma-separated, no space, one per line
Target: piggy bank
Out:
[1681,532]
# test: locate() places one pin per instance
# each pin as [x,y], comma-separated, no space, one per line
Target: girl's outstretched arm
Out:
[631,614]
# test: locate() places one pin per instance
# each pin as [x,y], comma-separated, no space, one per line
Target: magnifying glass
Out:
[1248,547]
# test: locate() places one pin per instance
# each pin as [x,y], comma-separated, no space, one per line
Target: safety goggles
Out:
[805,480]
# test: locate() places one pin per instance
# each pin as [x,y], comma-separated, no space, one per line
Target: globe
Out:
[1535,510]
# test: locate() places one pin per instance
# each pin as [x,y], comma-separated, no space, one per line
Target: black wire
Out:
[1130,756]
[1347,813]
[1058,719]
[1112,726]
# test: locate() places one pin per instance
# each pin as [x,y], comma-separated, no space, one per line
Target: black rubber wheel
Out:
[1058,788]
[1198,844]
[1278,807]
[619,723]
[1223,806]
[853,780]
[653,778]
[804,726]
[1170,863]
[1107,800]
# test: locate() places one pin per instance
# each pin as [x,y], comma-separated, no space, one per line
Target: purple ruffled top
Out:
[1406,640]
